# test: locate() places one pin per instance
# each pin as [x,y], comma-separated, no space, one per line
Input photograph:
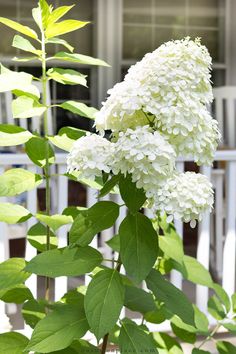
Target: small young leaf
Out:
[223,296]
[79,108]
[133,197]
[33,311]
[216,309]
[67,76]
[66,137]
[59,28]
[138,246]
[54,221]
[174,299]
[19,294]
[45,10]
[26,107]
[13,213]
[224,347]
[13,343]
[11,135]
[59,13]
[19,28]
[60,41]
[36,149]
[36,236]
[12,274]
[88,223]
[79,58]
[109,185]
[24,44]
[166,344]
[17,181]
[139,300]
[103,301]
[58,329]
[65,262]
[133,339]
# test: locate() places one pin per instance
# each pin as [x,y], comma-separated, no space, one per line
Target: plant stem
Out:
[105,338]
[46,168]
[210,335]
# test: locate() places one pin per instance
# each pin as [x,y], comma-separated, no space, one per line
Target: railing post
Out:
[228,280]
[203,251]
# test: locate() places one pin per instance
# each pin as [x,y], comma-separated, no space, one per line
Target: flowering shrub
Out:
[156,114]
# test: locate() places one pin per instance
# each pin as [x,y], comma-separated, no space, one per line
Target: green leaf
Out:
[79,108]
[73,211]
[133,339]
[138,246]
[37,16]
[33,311]
[109,186]
[11,135]
[233,298]
[139,300]
[65,262]
[199,351]
[60,41]
[17,181]
[13,213]
[103,301]
[172,247]
[79,347]
[36,149]
[201,321]
[225,347]
[114,243]
[88,223]
[12,274]
[58,13]
[133,197]
[66,137]
[174,299]
[183,334]
[13,343]
[45,10]
[79,58]
[25,59]
[18,27]
[37,237]
[223,296]
[58,329]
[67,76]
[26,107]
[59,28]
[54,221]
[25,45]
[17,295]
[216,309]
[166,344]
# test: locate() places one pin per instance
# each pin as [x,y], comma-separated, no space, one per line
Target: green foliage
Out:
[67,76]
[18,295]
[37,237]
[109,186]
[65,261]
[138,246]
[54,221]
[224,347]
[66,137]
[166,344]
[88,223]
[11,135]
[13,213]
[38,149]
[199,351]
[133,197]
[79,108]
[18,27]
[139,300]
[33,311]
[103,301]
[13,343]
[79,58]
[24,44]
[26,107]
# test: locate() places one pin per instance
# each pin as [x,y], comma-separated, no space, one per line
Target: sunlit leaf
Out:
[79,108]
[13,343]
[13,213]
[67,76]
[26,107]
[54,221]
[66,137]
[59,28]
[55,40]
[79,58]
[25,45]
[19,28]
[11,135]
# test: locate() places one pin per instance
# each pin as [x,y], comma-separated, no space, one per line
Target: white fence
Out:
[216,248]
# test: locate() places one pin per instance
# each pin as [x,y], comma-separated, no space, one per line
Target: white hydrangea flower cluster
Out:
[147,156]
[185,196]
[90,155]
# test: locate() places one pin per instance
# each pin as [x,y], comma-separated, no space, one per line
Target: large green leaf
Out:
[24,44]
[183,334]
[109,186]
[13,213]
[139,300]
[18,180]
[172,247]
[103,301]
[67,76]
[12,343]
[138,246]
[200,351]
[224,347]
[65,262]
[88,223]
[58,329]
[133,339]
[36,149]
[12,274]
[33,311]
[60,41]
[166,344]
[133,197]
[174,299]
[27,107]
[55,221]
[79,108]
[66,137]
[45,10]
[59,28]
[59,12]
[19,294]
[18,27]
[79,347]
[79,58]
[37,237]
[11,135]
